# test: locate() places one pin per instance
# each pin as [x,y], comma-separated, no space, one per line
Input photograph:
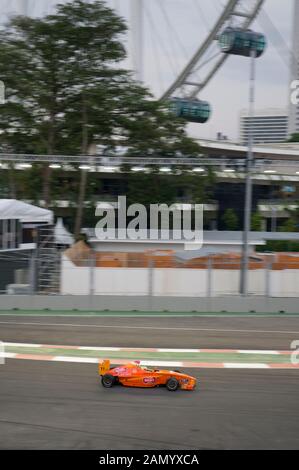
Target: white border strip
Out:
[178,350]
[231,365]
[95,348]
[162,350]
[271,353]
[2,353]
[87,360]
[23,345]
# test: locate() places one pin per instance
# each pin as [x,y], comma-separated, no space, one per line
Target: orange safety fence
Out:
[82,255]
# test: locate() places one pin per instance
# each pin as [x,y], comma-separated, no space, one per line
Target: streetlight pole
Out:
[248,188]
[247,43]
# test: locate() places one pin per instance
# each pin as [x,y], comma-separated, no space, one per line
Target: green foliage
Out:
[154,187]
[62,81]
[288,226]
[256,222]
[294,138]
[65,90]
[230,220]
[292,223]
[279,246]
[150,188]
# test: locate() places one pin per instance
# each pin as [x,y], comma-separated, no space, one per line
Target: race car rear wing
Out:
[104,367]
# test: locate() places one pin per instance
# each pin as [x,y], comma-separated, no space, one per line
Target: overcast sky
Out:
[173,31]
[167,48]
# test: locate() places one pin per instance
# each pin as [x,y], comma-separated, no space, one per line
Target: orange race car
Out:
[135,375]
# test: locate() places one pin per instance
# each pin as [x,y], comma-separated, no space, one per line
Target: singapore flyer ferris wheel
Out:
[160,51]
[205,61]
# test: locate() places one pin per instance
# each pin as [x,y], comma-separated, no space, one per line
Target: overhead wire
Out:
[201,14]
[217,7]
[158,67]
[171,44]
[172,29]
[276,38]
[161,42]
[207,61]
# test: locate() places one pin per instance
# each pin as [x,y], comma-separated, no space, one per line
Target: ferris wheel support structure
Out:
[237,13]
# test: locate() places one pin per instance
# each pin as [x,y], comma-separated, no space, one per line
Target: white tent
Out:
[62,235]
[26,213]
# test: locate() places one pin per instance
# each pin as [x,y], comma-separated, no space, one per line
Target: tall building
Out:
[268,126]
[294,108]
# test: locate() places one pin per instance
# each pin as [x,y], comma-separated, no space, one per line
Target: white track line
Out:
[179,350]
[168,364]
[23,345]
[160,315]
[122,327]
[155,350]
[162,363]
[231,365]
[87,360]
[7,355]
[96,348]
[244,351]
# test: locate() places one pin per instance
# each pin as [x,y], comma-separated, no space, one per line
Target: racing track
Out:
[48,405]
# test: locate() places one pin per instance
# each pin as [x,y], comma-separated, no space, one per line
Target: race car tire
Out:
[108,381]
[172,384]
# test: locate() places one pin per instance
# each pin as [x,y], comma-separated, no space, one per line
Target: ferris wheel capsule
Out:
[242,42]
[192,110]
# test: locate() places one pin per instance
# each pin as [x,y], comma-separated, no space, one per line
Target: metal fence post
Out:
[150,283]
[33,272]
[268,277]
[209,276]
[92,265]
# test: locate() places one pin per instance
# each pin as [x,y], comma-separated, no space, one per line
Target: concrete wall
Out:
[174,282]
[146,304]
[284,283]
[103,281]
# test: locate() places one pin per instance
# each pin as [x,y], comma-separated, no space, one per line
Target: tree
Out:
[288,226]
[65,90]
[256,222]
[90,33]
[292,223]
[230,220]
[49,63]
[32,63]
[294,138]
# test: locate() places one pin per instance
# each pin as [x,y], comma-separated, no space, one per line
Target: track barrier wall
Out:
[102,303]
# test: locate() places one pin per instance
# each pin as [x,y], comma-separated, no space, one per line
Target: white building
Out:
[268,126]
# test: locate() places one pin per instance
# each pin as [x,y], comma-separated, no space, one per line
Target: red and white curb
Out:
[172,364]
[153,362]
[156,350]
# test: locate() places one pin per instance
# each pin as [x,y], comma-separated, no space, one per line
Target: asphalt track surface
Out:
[47,405]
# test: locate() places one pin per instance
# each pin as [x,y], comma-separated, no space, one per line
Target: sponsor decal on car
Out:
[119,370]
[149,380]
[123,371]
